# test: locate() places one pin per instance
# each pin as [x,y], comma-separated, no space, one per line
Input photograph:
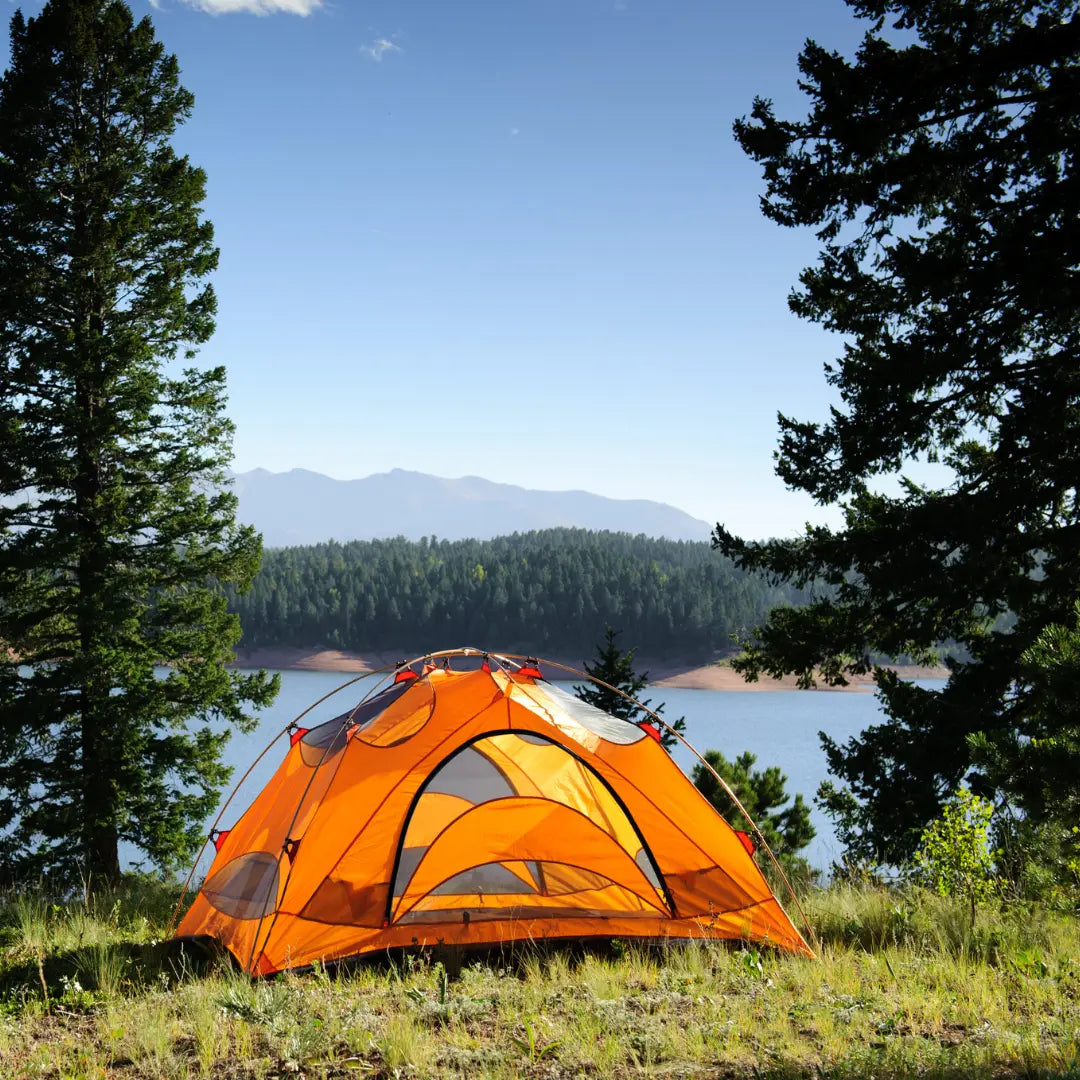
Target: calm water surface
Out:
[779,726]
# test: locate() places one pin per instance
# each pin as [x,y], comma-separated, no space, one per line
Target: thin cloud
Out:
[254,7]
[380,47]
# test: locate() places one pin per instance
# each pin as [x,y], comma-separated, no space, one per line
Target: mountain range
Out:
[303,507]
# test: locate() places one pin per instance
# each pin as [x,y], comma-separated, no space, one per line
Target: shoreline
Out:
[715,675]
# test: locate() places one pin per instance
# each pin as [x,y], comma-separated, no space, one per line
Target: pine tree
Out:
[1040,768]
[938,167]
[616,668]
[762,793]
[117,529]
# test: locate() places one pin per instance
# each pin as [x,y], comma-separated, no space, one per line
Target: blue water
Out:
[779,726]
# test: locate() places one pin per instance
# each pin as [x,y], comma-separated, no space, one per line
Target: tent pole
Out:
[240,783]
[719,779]
[470,651]
[447,653]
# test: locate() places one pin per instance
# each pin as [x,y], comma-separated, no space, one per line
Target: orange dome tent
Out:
[473,808]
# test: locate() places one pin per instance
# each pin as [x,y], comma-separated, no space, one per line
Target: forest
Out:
[551,591]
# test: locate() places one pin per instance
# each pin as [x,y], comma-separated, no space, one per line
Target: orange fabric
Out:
[402,720]
[433,813]
[522,829]
[494,810]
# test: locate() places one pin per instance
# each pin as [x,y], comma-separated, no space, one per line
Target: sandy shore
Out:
[713,676]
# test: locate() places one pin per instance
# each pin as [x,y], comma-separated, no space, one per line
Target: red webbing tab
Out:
[744,839]
[297,735]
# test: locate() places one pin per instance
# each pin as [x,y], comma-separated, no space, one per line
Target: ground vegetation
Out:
[904,986]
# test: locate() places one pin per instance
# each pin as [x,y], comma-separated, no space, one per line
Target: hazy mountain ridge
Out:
[303,507]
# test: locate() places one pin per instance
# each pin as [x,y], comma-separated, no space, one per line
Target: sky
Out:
[506,238]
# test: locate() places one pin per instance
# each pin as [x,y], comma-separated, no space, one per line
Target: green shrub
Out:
[954,856]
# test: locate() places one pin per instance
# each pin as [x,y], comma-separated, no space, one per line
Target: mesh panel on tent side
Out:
[322,742]
[246,887]
[547,697]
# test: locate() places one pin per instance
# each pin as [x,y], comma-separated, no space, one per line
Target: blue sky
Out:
[508,238]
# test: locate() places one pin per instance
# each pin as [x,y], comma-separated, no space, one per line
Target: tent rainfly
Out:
[474,807]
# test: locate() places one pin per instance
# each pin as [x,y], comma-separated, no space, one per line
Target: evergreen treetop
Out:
[620,696]
[938,168]
[763,794]
[117,528]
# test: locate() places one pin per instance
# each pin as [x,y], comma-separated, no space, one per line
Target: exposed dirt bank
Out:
[714,676]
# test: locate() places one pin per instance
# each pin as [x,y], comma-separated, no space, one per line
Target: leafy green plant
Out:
[257,1003]
[954,856]
[752,963]
[532,1047]
[1031,962]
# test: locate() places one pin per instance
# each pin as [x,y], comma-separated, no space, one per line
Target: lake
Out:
[781,727]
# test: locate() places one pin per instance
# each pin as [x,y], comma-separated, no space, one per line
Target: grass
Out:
[905,985]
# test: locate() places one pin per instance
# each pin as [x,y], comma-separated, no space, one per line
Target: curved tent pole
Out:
[444,654]
[251,768]
[500,658]
[719,779]
[347,719]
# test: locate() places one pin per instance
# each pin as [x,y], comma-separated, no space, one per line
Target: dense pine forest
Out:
[550,592]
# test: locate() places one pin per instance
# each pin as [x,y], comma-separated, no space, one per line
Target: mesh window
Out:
[397,714]
[470,775]
[561,880]
[419,917]
[367,711]
[491,878]
[588,716]
[536,740]
[323,742]
[246,888]
[646,867]
[407,864]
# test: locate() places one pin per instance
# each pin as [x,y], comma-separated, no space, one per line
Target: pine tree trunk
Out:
[100,847]
[100,811]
